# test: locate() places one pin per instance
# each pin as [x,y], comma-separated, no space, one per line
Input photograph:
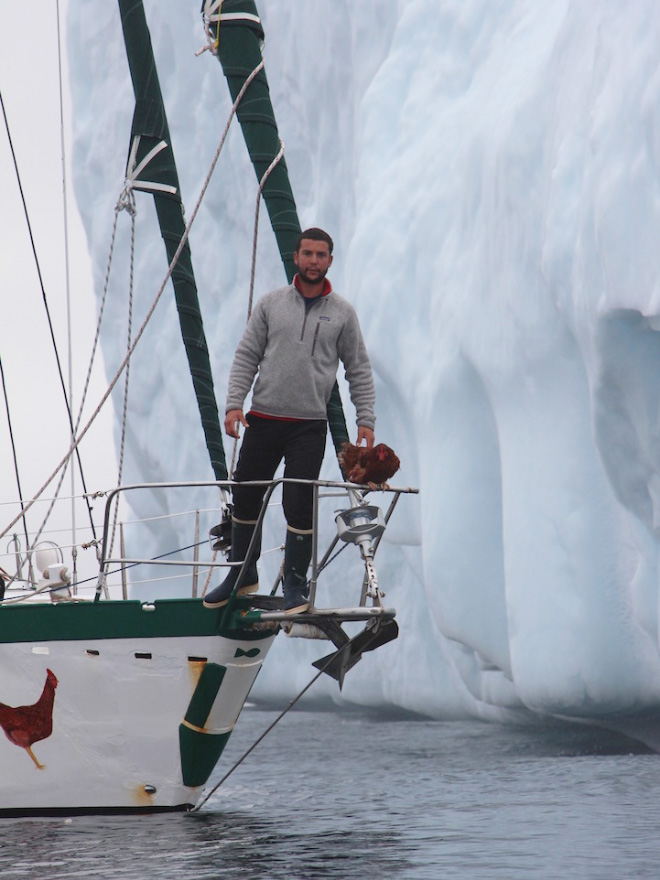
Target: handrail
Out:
[354,492]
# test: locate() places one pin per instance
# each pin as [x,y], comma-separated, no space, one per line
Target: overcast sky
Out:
[30,91]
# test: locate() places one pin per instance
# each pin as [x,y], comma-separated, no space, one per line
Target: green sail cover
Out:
[150,127]
[239,52]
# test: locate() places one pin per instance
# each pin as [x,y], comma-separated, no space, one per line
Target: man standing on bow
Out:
[293,343]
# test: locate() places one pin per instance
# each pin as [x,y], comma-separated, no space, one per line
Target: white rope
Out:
[125,202]
[276,161]
[61,498]
[209,574]
[138,336]
[124,420]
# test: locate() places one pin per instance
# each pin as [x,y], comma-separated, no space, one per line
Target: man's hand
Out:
[233,418]
[365,434]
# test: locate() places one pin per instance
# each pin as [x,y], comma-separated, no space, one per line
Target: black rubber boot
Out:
[297,555]
[241,535]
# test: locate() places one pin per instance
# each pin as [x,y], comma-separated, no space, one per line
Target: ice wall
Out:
[490,173]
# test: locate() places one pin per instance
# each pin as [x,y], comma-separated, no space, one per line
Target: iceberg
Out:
[489,172]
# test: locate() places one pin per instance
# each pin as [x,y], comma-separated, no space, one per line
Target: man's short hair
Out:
[315,234]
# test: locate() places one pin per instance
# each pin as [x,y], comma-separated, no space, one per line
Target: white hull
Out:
[123,704]
[117,712]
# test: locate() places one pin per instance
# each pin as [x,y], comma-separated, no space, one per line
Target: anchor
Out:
[360,524]
[375,634]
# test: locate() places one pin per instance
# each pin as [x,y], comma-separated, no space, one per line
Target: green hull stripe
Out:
[124,619]
[199,754]
[205,693]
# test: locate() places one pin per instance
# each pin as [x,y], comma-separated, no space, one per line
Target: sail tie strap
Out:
[175,259]
[134,170]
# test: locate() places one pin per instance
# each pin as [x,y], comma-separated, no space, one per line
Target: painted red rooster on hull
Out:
[26,725]
[371,466]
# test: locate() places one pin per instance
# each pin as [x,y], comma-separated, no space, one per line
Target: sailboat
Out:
[112,703]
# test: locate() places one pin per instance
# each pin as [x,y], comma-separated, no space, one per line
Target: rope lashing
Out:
[125,202]
[212,14]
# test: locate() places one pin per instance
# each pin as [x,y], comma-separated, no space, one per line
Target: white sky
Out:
[29,81]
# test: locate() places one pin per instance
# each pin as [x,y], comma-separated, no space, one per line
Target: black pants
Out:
[266,442]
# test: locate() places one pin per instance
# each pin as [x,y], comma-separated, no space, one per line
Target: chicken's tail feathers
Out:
[341,455]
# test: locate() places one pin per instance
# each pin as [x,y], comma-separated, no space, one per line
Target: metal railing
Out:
[355,521]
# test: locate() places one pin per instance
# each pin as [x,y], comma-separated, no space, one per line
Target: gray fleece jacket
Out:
[296,351]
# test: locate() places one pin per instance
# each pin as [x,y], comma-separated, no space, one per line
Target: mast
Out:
[238,44]
[150,132]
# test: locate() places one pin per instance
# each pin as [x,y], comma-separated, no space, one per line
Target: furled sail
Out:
[151,167]
[238,34]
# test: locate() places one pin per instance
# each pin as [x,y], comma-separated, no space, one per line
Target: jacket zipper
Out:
[304,324]
[316,334]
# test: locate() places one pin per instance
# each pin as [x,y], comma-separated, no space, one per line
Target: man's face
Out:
[313,260]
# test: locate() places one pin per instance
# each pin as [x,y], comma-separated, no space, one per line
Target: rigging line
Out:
[67,274]
[276,161]
[138,336]
[50,323]
[209,574]
[92,495]
[125,202]
[331,559]
[154,559]
[293,702]
[124,420]
[13,451]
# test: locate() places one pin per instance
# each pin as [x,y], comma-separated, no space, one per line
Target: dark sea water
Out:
[329,794]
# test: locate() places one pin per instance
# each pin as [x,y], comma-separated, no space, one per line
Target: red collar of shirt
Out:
[327,287]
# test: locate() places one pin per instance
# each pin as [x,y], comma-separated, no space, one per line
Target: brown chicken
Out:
[26,725]
[371,466]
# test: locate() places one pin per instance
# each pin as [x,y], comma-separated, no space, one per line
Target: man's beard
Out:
[317,279]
